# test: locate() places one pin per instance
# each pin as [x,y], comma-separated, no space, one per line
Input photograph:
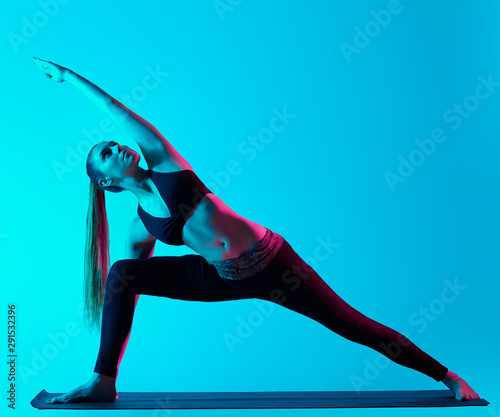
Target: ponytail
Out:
[96,258]
[96,262]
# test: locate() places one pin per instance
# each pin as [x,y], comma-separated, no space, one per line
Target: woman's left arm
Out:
[154,146]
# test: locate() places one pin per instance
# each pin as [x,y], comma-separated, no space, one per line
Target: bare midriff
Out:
[217,232]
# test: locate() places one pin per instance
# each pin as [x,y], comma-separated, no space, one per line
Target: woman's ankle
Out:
[450,375]
[103,379]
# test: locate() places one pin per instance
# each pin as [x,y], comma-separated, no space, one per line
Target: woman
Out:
[237,258]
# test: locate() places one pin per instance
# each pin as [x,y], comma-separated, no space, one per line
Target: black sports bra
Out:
[181,191]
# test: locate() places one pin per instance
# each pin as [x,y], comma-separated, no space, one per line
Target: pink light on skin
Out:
[125,153]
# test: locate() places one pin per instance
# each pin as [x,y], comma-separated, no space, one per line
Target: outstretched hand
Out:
[53,71]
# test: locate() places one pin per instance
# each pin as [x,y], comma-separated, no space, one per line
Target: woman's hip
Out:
[281,277]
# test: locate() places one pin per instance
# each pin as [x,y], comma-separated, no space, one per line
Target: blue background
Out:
[321,178]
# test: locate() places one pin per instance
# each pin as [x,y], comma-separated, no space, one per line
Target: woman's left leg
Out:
[187,277]
[292,283]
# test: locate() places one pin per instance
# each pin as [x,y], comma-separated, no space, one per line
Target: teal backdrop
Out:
[366,133]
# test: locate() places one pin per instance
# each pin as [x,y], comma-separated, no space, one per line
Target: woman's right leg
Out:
[292,283]
[187,277]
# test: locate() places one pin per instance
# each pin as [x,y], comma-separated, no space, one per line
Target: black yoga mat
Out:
[271,399]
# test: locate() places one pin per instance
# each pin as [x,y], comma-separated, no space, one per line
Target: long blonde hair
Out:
[96,258]
[96,264]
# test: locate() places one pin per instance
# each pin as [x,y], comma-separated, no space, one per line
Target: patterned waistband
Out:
[253,260]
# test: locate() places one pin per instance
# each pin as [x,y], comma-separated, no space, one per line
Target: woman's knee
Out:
[121,276]
[122,267]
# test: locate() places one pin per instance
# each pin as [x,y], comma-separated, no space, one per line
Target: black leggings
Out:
[287,281]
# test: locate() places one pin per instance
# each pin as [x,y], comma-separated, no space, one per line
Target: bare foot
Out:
[100,388]
[462,390]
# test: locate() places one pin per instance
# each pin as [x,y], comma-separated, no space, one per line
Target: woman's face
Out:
[114,160]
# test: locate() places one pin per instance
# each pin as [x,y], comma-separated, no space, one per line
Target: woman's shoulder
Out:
[169,166]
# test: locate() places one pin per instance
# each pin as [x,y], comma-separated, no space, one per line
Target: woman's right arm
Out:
[135,125]
[155,148]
